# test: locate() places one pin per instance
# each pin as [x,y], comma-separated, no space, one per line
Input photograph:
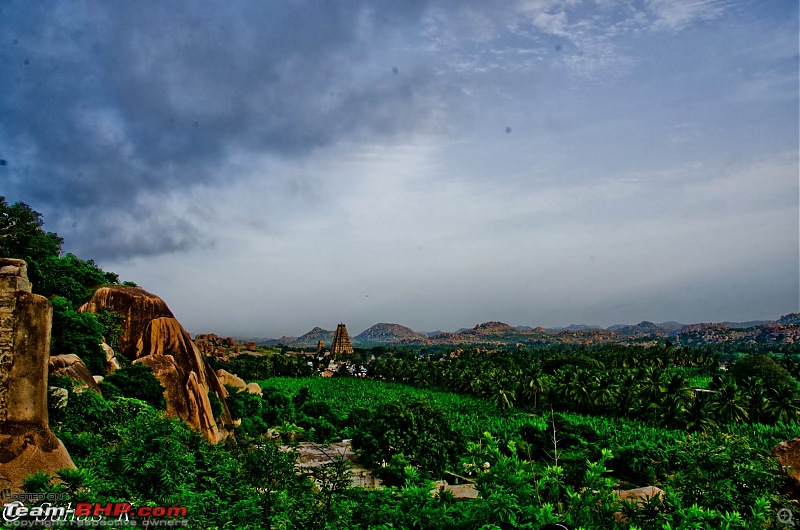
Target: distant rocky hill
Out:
[492,328]
[748,324]
[642,329]
[385,333]
[790,319]
[670,325]
[310,339]
[784,330]
[571,327]
[492,332]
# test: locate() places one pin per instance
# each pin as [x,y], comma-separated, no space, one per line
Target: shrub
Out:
[135,381]
[77,333]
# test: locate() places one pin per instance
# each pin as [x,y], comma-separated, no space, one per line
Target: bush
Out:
[135,381]
[762,366]
[71,277]
[411,427]
[77,333]
[111,322]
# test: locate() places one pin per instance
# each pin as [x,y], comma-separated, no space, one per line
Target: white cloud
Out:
[675,15]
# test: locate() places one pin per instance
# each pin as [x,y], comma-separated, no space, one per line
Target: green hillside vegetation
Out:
[126,450]
[64,278]
[546,434]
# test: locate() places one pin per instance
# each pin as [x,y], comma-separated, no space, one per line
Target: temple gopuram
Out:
[341,342]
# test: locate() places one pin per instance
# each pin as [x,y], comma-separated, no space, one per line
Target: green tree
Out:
[765,368]
[699,415]
[535,386]
[77,333]
[729,404]
[71,277]
[757,398]
[134,381]
[784,405]
[111,321]
[411,427]
[22,234]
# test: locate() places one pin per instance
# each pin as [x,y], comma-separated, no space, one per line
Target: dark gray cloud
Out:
[105,105]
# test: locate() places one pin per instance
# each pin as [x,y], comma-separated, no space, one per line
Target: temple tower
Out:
[341,342]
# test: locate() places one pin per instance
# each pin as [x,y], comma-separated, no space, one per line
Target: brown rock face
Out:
[210,345]
[136,305]
[254,388]
[227,378]
[73,367]
[27,445]
[112,363]
[639,495]
[788,456]
[151,335]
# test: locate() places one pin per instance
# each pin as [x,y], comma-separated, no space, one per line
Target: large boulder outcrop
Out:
[27,445]
[788,456]
[233,380]
[152,336]
[227,378]
[137,307]
[112,363]
[640,495]
[73,367]
[254,388]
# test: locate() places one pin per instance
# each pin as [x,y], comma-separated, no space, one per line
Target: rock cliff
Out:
[788,456]
[152,336]
[27,445]
[136,305]
[73,367]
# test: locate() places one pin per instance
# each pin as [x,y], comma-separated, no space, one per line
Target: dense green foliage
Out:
[544,468]
[67,280]
[134,381]
[77,333]
[411,430]
[761,366]
[264,366]
[544,434]
[22,237]
[652,384]
[111,323]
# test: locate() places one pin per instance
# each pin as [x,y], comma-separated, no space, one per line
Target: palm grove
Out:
[546,434]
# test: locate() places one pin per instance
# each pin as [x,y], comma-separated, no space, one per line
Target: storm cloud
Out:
[107,106]
[432,163]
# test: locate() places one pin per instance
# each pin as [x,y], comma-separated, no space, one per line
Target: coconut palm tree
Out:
[652,387]
[534,388]
[499,392]
[757,398]
[604,391]
[580,392]
[628,401]
[677,387]
[784,405]
[729,404]
[699,415]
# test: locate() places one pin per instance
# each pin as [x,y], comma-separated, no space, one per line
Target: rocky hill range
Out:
[784,330]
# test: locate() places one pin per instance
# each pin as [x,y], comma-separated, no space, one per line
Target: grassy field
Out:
[469,416]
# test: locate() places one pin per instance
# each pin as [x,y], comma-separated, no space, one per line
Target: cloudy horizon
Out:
[270,167]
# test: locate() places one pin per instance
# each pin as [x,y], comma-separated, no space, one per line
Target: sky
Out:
[271,166]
